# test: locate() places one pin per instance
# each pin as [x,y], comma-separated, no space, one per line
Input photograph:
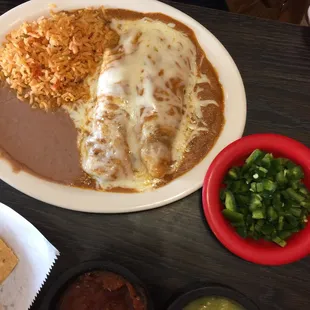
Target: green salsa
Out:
[213,303]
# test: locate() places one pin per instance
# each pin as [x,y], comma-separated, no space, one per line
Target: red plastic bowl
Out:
[259,252]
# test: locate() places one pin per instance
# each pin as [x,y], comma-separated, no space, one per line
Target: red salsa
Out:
[100,290]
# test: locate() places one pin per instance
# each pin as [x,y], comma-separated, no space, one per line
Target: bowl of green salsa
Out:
[213,303]
[213,297]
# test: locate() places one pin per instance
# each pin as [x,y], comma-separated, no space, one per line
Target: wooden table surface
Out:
[172,247]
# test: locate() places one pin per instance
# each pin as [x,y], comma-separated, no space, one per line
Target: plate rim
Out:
[86,200]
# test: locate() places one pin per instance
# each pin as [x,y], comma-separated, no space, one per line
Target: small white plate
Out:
[101,202]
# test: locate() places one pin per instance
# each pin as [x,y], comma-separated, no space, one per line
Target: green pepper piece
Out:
[288,163]
[258,228]
[249,219]
[238,224]
[294,195]
[304,214]
[290,227]
[223,194]
[261,171]
[296,212]
[285,195]
[244,188]
[242,200]
[272,214]
[242,232]
[279,241]
[254,157]
[228,183]
[230,202]
[267,229]
[256,236]
[305,204]
[244,211]
[276,201]
[252,227]
[292,221]
[284,234]
[266,195]
[281,223]
[291,204]
[233,173]
[259,224]
[276,165]
[267,160]
[296,173]
[303,190]
[239,187]
[268,201]
[258,214]
[269,185]
[233,216]
[259,187]
[281,178]
[295,184]
[253,187]
[235,186]
[256,202]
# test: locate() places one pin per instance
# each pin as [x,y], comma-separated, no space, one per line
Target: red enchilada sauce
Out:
[100,290]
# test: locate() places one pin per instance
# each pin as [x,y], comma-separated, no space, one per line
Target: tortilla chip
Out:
[8,261]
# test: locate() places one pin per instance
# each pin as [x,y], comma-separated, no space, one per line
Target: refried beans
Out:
[39,142]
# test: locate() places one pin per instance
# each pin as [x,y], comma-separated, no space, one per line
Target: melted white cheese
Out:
[141,78]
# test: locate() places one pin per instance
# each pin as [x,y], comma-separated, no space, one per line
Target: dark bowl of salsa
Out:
[213,297]
[97,285]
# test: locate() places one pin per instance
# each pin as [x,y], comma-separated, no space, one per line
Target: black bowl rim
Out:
[213,290]
[60,285]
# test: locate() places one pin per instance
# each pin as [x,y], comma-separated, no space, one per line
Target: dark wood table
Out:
[172,247]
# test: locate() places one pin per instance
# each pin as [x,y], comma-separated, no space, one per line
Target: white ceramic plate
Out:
[92,201]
